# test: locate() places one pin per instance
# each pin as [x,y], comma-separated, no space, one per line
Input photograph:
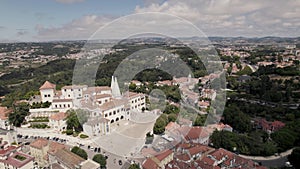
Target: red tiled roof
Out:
[178,165]
[183,157]
[163,155]
[4,113]
[48,85]
[101,96]
[207,163]
[149,164]
[68,158]
[132,94]
[172,125]
[112,104]
[11,160]
[7,151]
[58,116]
[39,143]
[199,148]
[220,153]
[195,133]
[183,145]
[54,147]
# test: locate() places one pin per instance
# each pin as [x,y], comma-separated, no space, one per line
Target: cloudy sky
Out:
[43,20]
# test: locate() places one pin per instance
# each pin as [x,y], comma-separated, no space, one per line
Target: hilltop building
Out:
[105,104]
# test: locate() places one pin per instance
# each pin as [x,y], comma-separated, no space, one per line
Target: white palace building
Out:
[105,104]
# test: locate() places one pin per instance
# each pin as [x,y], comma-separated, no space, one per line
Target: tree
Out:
[171,109]
[160,124]
[132,87]
[18,116]
[80,152]
[284,138]
[246,71]
[200,120]
[99,158]
[134,166]
[73,121]
[172,117]
[294,157]
[237,119]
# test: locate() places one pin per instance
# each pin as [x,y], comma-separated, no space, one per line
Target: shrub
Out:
[83,136]
[69,132]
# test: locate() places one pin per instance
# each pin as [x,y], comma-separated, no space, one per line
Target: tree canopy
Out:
[17,117]
[80,152]
[99,158]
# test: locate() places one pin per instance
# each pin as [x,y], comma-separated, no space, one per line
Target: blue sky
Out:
[23,16]
[43,20]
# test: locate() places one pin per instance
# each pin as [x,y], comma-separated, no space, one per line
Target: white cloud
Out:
[81,28]
[213,17]
[235,17]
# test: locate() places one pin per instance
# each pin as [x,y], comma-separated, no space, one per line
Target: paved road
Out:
[271,161]
[280,162]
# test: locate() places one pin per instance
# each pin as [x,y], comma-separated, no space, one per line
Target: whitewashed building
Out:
[57,121]
[4,123]
[97,126]
[47,91]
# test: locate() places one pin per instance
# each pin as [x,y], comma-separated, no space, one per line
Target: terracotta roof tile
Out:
[68,158]
[11,160]
[39,143]
[163,155]
[149,164]
[48,85]
[4,113]
[113,103]
[196,132]
[58,116]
